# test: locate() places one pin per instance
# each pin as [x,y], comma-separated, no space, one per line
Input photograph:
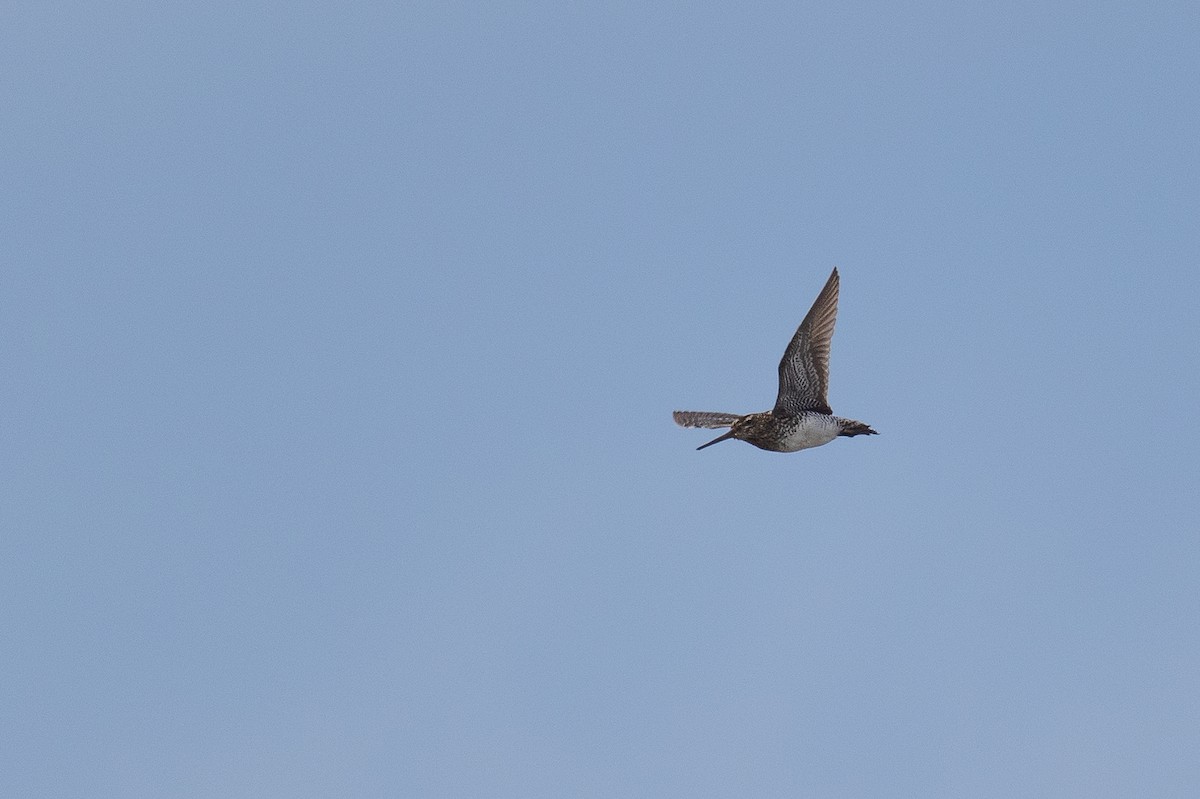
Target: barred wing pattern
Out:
[704,419]
[804,370]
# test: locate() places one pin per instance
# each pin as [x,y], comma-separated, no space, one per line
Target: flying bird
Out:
[801,417]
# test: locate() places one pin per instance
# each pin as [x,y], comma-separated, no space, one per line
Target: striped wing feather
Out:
[804,370]
[704,419]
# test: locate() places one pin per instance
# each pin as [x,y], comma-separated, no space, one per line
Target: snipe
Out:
[801,417]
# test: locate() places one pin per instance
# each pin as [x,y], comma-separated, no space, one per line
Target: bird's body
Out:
[787,433]
[801,417]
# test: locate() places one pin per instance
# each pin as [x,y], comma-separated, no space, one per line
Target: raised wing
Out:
[804,370]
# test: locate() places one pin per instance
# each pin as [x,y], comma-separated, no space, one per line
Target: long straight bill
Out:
[716,440]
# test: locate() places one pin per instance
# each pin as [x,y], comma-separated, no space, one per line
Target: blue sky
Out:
[340,345]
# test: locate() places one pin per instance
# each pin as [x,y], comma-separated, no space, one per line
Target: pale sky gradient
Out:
[340,343]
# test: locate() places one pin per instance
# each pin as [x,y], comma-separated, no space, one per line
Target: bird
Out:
[801,417]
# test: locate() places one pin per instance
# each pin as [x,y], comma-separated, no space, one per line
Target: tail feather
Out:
[704,419]
[853,428]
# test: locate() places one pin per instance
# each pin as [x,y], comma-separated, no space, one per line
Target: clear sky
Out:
[340,344]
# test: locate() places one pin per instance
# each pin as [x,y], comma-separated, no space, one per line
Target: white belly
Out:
[813,431]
